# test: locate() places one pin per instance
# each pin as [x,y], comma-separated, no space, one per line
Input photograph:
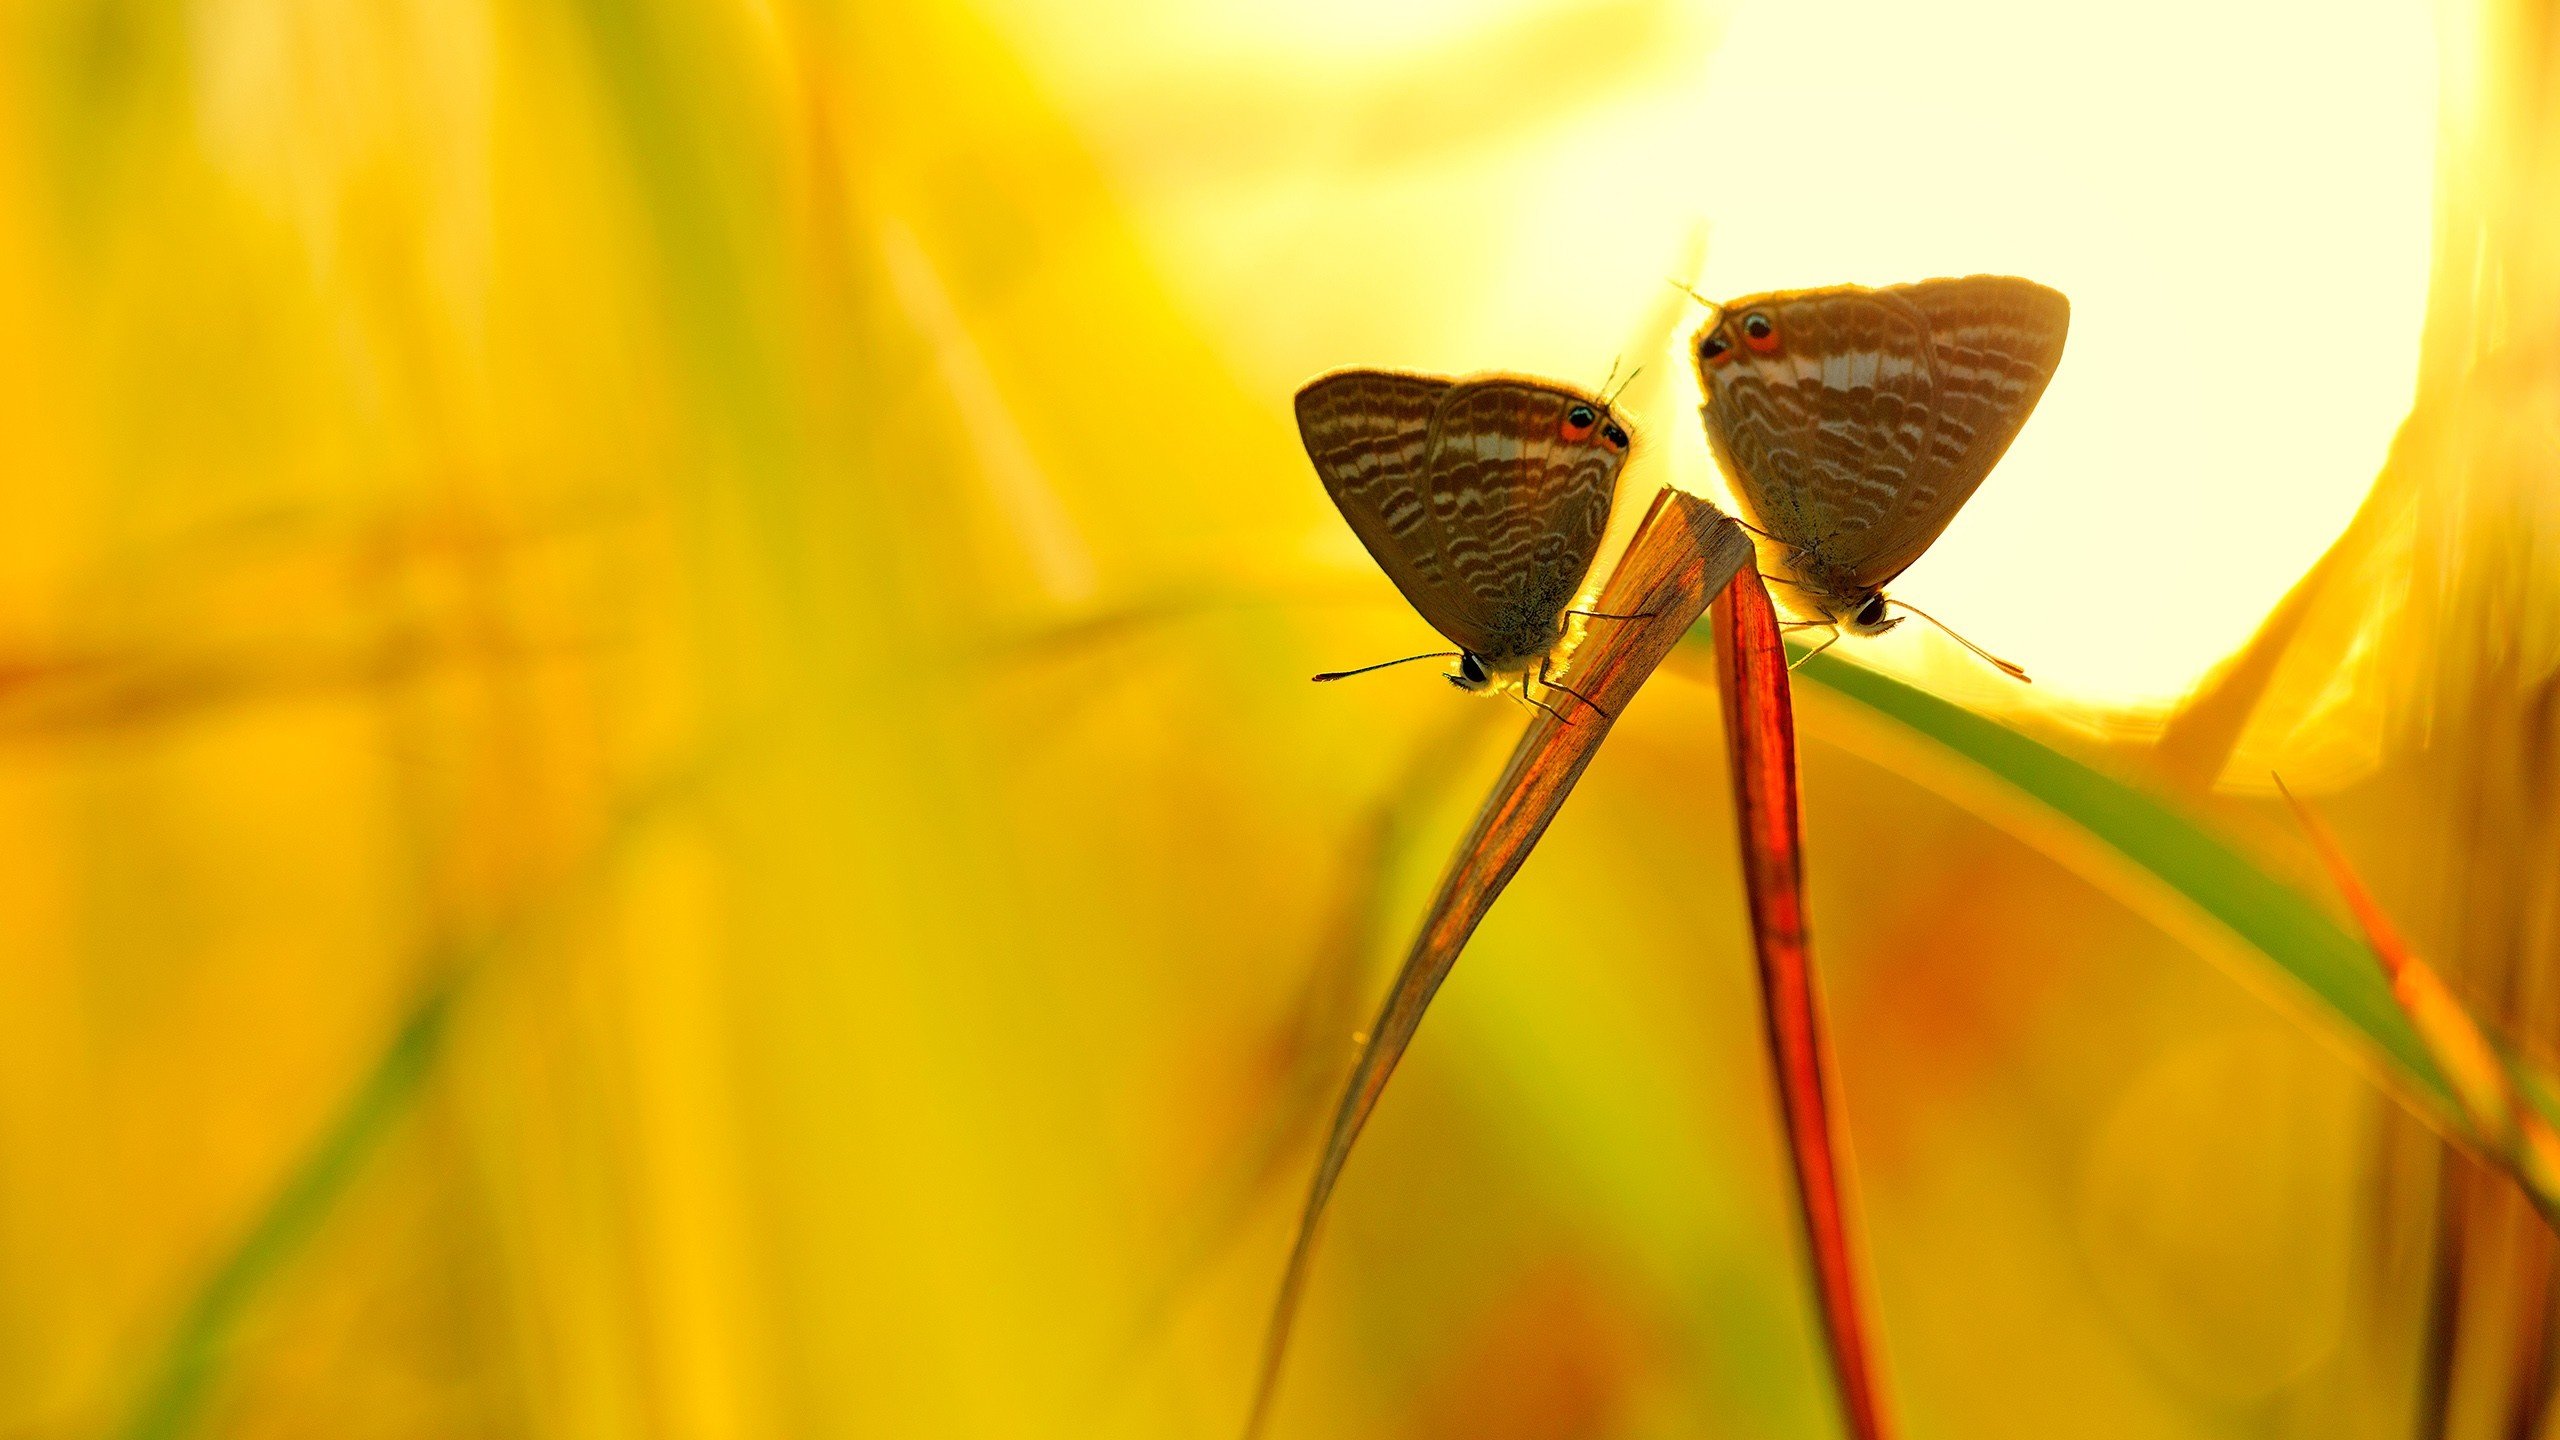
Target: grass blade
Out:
[2159,841]
[1760,736]
[2142,834]
[1304,1059]
[2508,1133]
[1682,554]
[173,1395]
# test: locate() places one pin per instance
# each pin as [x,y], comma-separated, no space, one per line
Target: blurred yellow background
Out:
[2234,196]
[656,777]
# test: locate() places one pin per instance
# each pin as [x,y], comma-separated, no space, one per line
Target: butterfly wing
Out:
[1367,432]
[1520,509]
[1825,437]
[1880,412]
[1995,341]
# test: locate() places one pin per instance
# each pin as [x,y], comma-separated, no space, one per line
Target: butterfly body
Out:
[1483,499]
[1855,422]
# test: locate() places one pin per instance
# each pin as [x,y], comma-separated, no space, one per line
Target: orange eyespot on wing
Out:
[1760,333]
[1713,348]
[1578,423]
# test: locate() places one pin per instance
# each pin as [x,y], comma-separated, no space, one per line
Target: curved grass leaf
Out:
[2518,1138]
[1683,553]
[1305,1058]
[2315,958]
[172,1398]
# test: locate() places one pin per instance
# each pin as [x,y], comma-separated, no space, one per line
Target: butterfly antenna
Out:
[1714,310]
[1609,396]
[1383,664]
[2003,666]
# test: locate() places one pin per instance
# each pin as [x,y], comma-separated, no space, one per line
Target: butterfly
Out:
[1482,498]
[1854,423]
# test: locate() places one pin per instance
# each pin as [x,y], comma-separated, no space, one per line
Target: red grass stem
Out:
[1760,734]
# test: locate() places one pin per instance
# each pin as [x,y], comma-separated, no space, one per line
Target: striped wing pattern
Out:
[1827,439]
[1367,431]
[1521,511]
[1467,496]
[1880,413]
[1995,342]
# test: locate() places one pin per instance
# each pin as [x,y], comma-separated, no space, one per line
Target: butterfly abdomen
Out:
[1525,623]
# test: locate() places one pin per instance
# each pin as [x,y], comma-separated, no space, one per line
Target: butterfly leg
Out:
[1816,650]
[1569,690]
[1605,615]
[1787,546]
[1525,698]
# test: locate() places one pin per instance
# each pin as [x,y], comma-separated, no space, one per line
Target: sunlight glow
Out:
[2234,195]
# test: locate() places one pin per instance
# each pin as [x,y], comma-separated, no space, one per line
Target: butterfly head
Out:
[1869,618]
[1752,331]
[1471,674]
[1588,423]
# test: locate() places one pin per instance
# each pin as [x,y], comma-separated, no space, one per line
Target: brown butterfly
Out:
[1483,499]
[1854,423]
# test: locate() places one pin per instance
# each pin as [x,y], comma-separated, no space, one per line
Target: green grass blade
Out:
[2317,957]
[173,1394]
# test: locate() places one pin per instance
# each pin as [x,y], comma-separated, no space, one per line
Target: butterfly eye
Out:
[1715,347]
[1578,422]
[1872,613]
[1612,436]
[1760,333]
